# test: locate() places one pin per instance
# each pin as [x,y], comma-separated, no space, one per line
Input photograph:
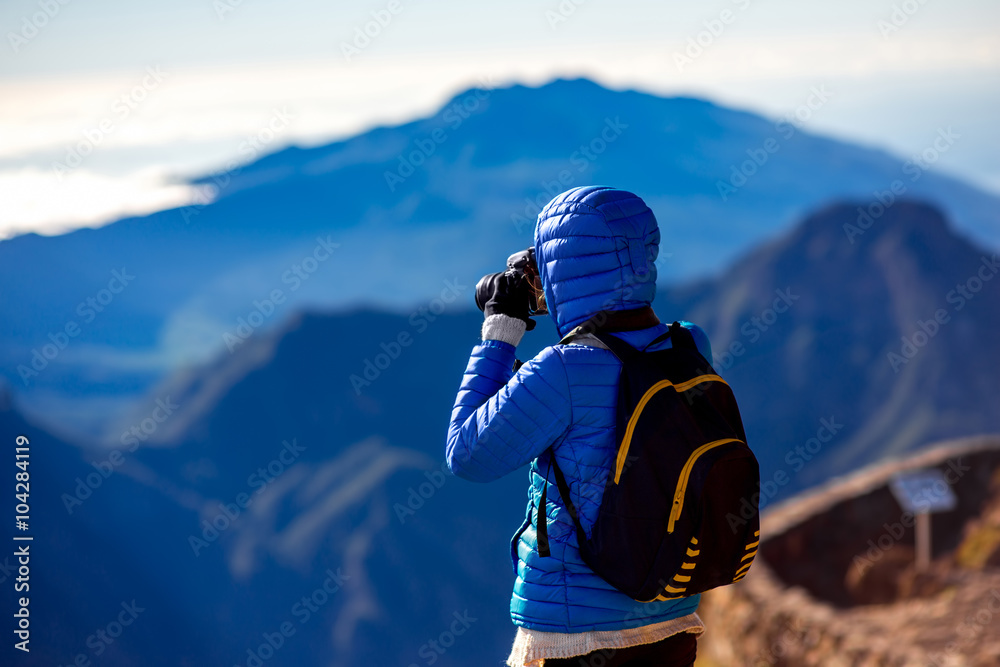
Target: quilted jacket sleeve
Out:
[503,420]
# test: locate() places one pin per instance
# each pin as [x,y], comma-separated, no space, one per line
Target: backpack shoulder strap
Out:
[594,332]
[588,339]
[679,335]
[621,349]
[615,320]
[605,341]
[542,521]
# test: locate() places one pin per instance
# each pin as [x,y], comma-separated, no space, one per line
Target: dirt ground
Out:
[866,607]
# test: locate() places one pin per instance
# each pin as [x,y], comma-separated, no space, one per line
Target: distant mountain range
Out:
[318,445]
[389,218]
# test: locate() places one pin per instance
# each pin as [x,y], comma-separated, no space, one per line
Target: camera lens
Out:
[485,289]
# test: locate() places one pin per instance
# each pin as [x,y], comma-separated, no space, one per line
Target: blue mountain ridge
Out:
[488,160]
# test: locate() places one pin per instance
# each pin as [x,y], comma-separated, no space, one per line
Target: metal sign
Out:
[921,491]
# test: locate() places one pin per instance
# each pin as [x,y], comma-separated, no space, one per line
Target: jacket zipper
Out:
[675,511]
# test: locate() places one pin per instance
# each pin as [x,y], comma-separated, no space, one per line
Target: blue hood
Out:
[595,247]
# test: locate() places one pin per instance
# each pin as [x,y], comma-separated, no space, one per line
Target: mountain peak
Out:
[566,84]
[564,95]
[558,86]
[888,215]
[856,233]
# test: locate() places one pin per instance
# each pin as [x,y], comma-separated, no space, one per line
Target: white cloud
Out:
[37,200]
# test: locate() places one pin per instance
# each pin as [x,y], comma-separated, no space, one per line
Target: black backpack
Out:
[679,514]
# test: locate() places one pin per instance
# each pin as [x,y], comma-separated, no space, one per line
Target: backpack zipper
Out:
[634,419]
[675,511]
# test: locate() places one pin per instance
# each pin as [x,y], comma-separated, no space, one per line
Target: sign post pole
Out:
[921,492]
[923,539]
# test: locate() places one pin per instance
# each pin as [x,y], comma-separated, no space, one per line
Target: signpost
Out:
[922,492]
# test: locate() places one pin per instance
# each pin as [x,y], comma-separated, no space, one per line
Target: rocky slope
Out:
[835,584]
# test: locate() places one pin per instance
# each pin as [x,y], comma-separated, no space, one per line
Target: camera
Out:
[522,269]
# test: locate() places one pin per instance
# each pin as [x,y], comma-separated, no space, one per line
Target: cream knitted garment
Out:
[532,647]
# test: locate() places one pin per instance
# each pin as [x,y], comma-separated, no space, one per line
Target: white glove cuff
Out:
[505,328]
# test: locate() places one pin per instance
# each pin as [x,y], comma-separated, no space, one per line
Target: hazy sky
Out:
[105,104]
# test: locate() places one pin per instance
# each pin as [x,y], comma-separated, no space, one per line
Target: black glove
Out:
[511,298]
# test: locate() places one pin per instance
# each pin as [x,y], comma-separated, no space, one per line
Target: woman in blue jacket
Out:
[595,249]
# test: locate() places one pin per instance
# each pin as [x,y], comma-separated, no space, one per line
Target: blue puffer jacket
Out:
[595,249]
